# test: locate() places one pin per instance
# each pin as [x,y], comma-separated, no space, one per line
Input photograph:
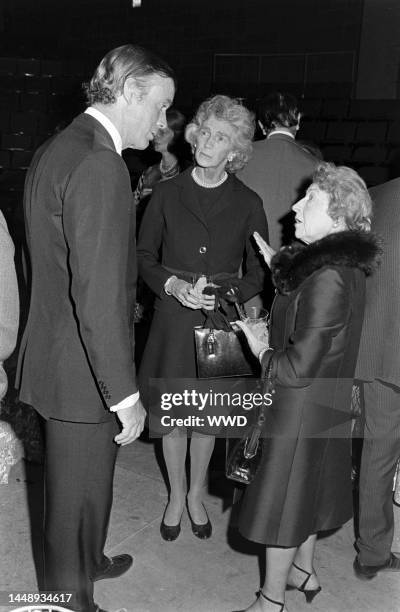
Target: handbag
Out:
[222,354]
[244,458]
[222,350]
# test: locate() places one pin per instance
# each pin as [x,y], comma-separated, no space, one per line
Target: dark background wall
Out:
[187,33]
[340,57]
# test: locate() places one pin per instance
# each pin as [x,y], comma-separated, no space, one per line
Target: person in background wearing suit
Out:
[280,170]
[378,369]
[10,452]
[76,362]
[204,220]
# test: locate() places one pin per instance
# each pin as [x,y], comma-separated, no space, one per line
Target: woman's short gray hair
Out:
[349,197]
[117,66]
[238,116]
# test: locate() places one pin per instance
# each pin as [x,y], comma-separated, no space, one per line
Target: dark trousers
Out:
[381,450]
[80,460]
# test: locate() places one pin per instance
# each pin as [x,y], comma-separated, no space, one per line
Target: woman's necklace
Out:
[208,185]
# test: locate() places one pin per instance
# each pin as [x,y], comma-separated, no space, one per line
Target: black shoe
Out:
[367,572]
[202,530]
[273,601]
[170,532]
[117,566]
[309,593]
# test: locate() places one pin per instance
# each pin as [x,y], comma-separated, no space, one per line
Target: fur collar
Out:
[354,249]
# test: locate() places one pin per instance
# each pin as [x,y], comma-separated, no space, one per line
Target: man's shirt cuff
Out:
[125,403]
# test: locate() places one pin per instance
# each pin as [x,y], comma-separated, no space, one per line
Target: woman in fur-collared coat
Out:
[303,485]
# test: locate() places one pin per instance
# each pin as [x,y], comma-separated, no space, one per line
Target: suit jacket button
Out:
[203,250]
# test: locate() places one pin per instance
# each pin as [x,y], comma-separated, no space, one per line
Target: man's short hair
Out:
[278,110]
[127,61]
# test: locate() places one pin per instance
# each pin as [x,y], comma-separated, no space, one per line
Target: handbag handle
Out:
[251,446]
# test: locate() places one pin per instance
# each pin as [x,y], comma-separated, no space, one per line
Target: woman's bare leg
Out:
[304,558]
[175,449]
[201,448]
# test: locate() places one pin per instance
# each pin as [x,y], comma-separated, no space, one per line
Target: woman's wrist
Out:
[262,353]
[168,284]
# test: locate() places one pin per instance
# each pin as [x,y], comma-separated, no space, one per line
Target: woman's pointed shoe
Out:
[202,530]
[281,604]
[308,593]
[169,533]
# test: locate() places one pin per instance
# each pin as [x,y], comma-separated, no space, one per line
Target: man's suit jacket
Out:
[379,355]
[9,303]
[279,171]
[76,357]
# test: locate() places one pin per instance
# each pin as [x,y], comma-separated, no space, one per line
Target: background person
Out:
[202,221]
[165,142]
[168,142]
[76,357]
[280,170]
[10,447]
[378,368]
[303,485]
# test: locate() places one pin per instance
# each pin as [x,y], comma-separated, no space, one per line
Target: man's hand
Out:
[132,421]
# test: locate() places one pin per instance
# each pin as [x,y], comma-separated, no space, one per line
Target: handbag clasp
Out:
[211,343]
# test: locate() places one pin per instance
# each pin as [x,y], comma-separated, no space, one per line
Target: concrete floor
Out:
[188,575]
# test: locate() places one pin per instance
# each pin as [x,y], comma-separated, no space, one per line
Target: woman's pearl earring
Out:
[231,157]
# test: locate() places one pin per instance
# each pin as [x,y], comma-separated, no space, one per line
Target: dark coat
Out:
[175,225]
[76,357]
[279,170]
[379,355]
[303,485]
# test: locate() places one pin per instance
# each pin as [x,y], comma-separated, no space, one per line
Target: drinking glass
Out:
[257,319]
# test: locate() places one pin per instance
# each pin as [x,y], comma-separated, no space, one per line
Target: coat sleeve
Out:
[254,266]
[150,243]
[97,225]
[9,302]
[323,309]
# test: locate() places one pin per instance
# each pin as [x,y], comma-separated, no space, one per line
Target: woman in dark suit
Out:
[303,485]
[199,223]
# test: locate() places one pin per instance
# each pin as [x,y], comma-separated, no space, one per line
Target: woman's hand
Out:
[185,294]
[266,251]
[255,337]
[207,301]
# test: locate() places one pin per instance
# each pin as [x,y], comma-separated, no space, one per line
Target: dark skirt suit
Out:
[188,229]
[304,482]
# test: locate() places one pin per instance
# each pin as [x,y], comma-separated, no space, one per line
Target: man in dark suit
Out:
[379,370]
[279,170]
[76,361]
